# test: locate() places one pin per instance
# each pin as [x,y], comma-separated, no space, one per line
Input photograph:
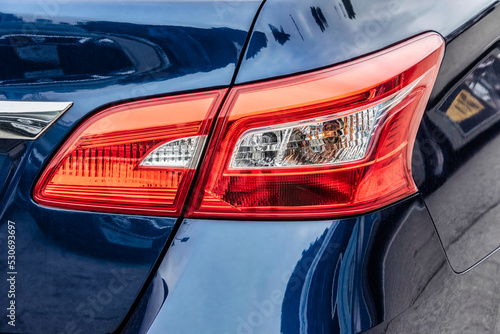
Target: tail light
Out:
[138,157]
[326,144]
[330,143]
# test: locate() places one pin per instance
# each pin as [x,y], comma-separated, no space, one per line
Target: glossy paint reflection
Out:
[27,120]
[11,156]
[304,35]
[305,302]
[61,50]
[291,277]
[81,271]
[459,139]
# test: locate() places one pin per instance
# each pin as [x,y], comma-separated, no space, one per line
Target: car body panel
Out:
[292,277]
[458,145]
[296,36]
[299,37]
[82,271]
[386,271]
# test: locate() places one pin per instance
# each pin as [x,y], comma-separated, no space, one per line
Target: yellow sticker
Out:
[464,106]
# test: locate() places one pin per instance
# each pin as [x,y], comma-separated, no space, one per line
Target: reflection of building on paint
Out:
[279,34]
[319,18]
[9,18]
[346,8]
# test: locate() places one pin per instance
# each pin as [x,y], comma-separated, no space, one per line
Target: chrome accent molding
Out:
[28,119]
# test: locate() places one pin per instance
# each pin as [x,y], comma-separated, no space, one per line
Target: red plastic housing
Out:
[381,178]
[97,169]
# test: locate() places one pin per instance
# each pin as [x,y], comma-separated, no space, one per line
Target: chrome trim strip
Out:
[28,119]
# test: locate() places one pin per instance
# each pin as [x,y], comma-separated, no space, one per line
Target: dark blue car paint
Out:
[304,35]
[460,140]
[80,272]
[341,276]
[458,158]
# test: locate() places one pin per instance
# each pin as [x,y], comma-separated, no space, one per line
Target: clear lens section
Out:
[178,153]
[336,140]
[313,142]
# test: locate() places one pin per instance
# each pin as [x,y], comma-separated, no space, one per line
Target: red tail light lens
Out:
[326,144]
[133,158]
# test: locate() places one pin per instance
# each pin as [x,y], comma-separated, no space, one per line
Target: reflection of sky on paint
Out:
[309,47]
[198,14]
[226,267]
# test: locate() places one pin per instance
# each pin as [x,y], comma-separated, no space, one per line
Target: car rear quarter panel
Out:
[456,170]
[80,272]
[68,262]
